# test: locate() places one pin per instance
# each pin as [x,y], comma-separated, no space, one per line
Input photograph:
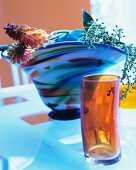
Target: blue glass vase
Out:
[57,70]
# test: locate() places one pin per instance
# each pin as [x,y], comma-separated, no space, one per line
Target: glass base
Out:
[103,161]
[65,114]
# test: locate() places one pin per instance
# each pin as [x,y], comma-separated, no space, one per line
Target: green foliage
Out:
[96,33]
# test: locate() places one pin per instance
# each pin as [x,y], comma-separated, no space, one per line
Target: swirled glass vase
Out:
[57,70]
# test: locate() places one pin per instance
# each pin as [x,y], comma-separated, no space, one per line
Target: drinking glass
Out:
[99,118]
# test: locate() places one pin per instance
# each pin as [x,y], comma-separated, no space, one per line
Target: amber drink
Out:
[99,118]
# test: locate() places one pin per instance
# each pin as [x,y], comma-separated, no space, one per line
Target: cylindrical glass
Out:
[99,118]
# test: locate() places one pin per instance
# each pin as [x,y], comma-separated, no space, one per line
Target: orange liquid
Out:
[99,109]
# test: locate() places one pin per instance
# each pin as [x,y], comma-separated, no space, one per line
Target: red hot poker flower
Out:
[19,53]
[30,36]
[29,39]
[34,37]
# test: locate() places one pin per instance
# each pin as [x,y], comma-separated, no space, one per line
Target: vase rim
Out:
[56,44]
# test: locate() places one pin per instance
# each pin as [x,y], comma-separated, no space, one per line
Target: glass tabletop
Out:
[28,139]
